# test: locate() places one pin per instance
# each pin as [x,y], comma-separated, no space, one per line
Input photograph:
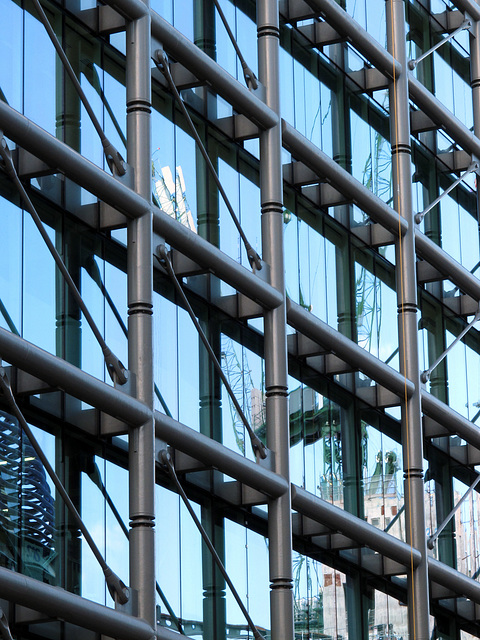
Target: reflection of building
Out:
[26,506]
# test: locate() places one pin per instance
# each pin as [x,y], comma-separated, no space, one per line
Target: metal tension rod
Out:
[466,24]
[166,460]
[89,70]
[116,587]
[475,166]
[8,319]
[93,271]
[425,375]
[95,477]
[431,541]
[250,78]
[161,62]
[115,368]
[112,156]
[258,447]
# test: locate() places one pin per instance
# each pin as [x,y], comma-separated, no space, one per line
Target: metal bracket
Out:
[101,216]
[131,606]
[466,454]
[240,494]
[374,235]
[433,429]
[448,21]
[426,272]
[294,10]
[183,462]
[457,160]
[298,174]
[129,386]
[302,346]
[185,266]
[321,34]
[420,122]
[369,79]
[309,527]
[29,166]
[102,20]
[329,364]
[239,306]
[128,177]
[110,426]
[378,396]
[325,195]
[260,91]
[183,77]
[461,305]
[334,541]
[238,127]
[26,384]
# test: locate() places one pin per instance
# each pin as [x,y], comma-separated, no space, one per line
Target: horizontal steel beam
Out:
[326,167]
[355,528]
[60,604]
[453,580]
[132,9]
[216,455]
[325,335]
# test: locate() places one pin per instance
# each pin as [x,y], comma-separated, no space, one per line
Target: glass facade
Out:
[327,439]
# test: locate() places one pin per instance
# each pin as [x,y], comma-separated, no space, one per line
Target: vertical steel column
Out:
[475,84]
[276,371]
[412,438]
[140,319]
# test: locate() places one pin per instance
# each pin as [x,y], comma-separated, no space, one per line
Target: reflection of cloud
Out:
[172,196]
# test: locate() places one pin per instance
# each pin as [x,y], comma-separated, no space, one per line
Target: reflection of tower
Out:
[250,399]
[26,505]
[171,196]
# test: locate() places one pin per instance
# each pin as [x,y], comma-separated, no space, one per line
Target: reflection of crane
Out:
[368,301]
[251,400]
[377,176]
[171,195]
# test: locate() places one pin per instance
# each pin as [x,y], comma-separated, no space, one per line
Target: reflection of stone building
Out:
[466,537]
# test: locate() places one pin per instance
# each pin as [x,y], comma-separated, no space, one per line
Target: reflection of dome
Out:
[27,514]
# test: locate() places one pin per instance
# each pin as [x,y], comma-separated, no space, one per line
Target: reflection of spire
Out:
[26,504]
[376,479]
[172,197]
